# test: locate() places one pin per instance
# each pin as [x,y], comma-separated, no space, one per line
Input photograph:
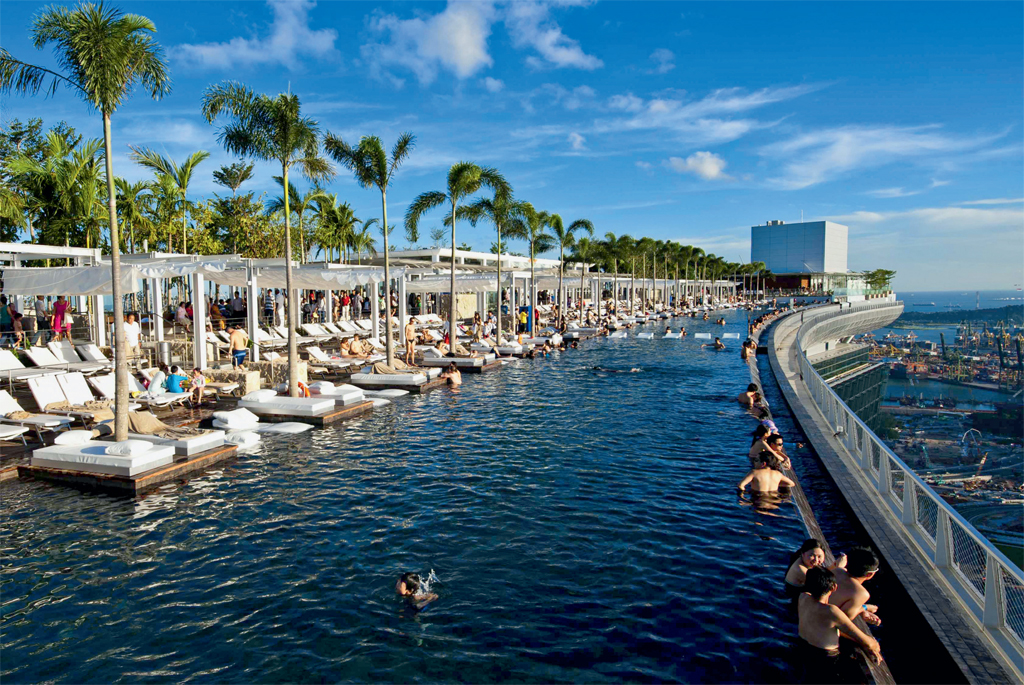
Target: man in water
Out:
[820,626]
[746,398]
[239,346]
[717,345]
[453,375]
[851,596]
[408,586]
[764,478]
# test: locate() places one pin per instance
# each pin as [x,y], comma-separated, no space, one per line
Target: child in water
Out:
[409,587]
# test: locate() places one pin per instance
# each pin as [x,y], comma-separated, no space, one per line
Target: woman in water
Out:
[410,588]
[810,555]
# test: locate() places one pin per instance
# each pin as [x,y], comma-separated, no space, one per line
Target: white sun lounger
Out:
[264,339]
[12,369]
[289,406]
[106,386]
[12,432]
[43,357]
[460,362]
[282,333]
[92,457]
[37,422]
[49,390]
[314,331]
[65,352]
[323,359]
[91,353]
[365,324]
[342,395]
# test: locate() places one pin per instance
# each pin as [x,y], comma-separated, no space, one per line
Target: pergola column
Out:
[253,313]
[375,310]
[198,325]
[99,320]
[402,308]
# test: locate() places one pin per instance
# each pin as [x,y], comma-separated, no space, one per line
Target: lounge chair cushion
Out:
[291,406]
[286,427]
[407,379]
[387,393]
[265,395]
[130,448]
[92,457]
[73,438]
[245,438]
[378,403]
[433,352]
[237,419]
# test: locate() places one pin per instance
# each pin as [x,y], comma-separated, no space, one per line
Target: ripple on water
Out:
[584,525]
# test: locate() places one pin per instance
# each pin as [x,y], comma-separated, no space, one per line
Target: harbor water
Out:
[583,525]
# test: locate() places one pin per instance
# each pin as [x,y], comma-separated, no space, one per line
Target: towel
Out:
[461,351]
[100,409]
[18,415]
[146,423]
[382,368]
[399,365]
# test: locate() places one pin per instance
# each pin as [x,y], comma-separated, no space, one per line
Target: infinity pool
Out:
[583,525]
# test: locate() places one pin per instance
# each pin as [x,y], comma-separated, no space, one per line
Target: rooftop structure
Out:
[813,247]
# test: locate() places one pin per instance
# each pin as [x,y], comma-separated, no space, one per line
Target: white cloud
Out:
[454,40]
[664,59]
[493,85]
[700,122]
[290,39]
[936,183]
[707,165]
[646,166]
[557,94]
[577,141]
[529,23]
[995,201]
[822,155]
[893,192]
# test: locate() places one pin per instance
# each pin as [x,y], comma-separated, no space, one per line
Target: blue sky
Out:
[682,121]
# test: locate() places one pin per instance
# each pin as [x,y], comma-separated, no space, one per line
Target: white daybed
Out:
[92,457]
[280,405]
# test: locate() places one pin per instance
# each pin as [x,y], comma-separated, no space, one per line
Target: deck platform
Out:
[337,415]
[413,389]
[131,485]
[493,366]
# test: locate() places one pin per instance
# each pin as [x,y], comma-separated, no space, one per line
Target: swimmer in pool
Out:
[717,345]
[746,397]
[635,369]
[763,477]
[408,587]
[820,626]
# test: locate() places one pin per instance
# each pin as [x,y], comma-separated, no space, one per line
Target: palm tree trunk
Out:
[184,225]
[120,351]
[302,240]
[389,344]
[453,331]
[293,353]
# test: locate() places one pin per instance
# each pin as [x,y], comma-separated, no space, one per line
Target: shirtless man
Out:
[851,596]
[410,342]
[820,626]
[239,346]
[453,375]
[746,398]
[763,478]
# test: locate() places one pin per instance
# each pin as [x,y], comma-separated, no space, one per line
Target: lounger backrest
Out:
[91,353]
[8,403]
[46,391]
[318,354]
[366,324]
[261,335]
[280,330]
[9,362]
[223,335]
[41,356]
[134,385]
[148,373]
[106,385]
[64,351]
[330,328]
[434,335]
[348,327]
[76,390]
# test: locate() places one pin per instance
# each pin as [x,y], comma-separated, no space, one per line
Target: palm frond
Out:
[423,203]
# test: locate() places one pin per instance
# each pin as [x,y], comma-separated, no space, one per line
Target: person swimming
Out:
[717,345]
[811,554]
[635,369]
[410,587]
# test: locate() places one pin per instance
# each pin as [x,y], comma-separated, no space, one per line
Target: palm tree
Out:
[565,237]
[369,163]
[106,54]
[464,179]
[583,252]
[182,176]
[272,129]
[532,225]
[298,205]
[336,224]
[502,211]
[362,242]
[133,200]
[233,176]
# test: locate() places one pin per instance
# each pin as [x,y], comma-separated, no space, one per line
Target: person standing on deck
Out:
[268,306]
[42,321]
[237,307]
[239,346]
[279,306]
[132,335]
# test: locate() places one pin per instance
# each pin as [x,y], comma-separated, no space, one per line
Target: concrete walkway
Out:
[969,648]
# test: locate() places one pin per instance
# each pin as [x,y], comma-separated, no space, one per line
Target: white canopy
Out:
[463,284]
[67,280]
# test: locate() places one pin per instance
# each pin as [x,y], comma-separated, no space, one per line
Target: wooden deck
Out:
[413,389]
[131,485]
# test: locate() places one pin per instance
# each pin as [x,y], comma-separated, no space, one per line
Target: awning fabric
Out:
[463,284]
[67,280]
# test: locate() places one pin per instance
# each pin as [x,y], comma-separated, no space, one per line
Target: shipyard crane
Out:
[970,446]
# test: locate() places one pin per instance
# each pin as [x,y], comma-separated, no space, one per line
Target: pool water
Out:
[583,525]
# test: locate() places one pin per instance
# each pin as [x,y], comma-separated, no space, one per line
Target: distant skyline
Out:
[681,121]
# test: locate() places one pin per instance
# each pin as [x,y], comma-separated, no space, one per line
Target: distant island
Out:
[1011,314]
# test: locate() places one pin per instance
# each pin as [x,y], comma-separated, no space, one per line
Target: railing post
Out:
[993,603]
[909,500]
[884,483]
[943,555]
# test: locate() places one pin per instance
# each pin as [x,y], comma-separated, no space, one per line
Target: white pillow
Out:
[286,427]
[130,448]
[323,387]
[73,438]
[236,419]
[242,438]
[261,395]
[433,352]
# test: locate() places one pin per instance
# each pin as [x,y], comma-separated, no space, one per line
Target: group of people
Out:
[175,381]
[827,598]
[45,322]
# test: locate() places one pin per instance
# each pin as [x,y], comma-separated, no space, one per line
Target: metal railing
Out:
[988,584]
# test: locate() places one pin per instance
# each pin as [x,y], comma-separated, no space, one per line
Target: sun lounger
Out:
[342,395]
[91,353]
[282,332]
[349,327]
[13,432]
[314,331]
[460,362]
[40,423]
[264,339]
[384,379]
[12,369]
[365,324]
[67,390]
[106,386]
[331,362]
[67,354]
[92,457]
[289,406]
[43,357]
